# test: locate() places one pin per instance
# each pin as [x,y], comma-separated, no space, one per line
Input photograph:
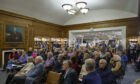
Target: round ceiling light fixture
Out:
[81,5]
[67,6]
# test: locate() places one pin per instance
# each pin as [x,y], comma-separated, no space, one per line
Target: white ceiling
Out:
[51,10]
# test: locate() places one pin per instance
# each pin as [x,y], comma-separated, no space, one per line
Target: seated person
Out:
[58,63]
[34,54]
[138,64]
[32,75]
[69,76]
[92,77]
[12,57]
[50,60]
[23,58]
[30,51]
[24,70]
[116,66]
[97,58]
[41,53]
[74,64]
[83,69]
[107,58]
[105,73]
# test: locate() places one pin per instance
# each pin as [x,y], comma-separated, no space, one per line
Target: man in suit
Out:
[32,75]
[92,77]
[70,76]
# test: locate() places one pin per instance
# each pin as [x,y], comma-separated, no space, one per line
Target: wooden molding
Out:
[104,22]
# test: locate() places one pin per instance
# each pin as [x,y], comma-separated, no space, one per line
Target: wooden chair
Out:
[137,81]
[53,78]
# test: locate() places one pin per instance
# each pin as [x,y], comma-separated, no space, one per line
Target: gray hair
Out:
[96,53]
[67,62]
[103,60]
[39,58]
[90,64]
[117,58]
[30,59]
[50,53]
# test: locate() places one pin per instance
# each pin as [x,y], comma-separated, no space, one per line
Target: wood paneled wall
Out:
[31,28]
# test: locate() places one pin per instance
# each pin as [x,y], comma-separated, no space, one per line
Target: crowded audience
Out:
[100,64]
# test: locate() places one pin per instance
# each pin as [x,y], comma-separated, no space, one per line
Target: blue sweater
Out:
[92,78]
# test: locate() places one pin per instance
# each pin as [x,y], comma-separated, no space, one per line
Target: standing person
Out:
[120,47]
[69,76]
[124,59]
[92,77]
[103,46]
[113,47]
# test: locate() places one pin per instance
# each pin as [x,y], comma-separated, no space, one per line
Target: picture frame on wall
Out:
[13,34]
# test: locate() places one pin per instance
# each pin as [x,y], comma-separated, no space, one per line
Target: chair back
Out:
[53,78]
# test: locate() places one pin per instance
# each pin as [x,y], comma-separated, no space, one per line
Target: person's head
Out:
[96,54]
[30,59]
[40,50]
[59,56]
[69,50]
[38,59]
[23,53]
[30,48]
[13,50]
[116,58]
[113,42]
[86,56]
[85,50]
[65,53]
[90,65]
[35,50]
[50,54]
[18,51]
[66,65]
[108,54]
[56,50]
[102,63]
[73,59]
[119,53]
